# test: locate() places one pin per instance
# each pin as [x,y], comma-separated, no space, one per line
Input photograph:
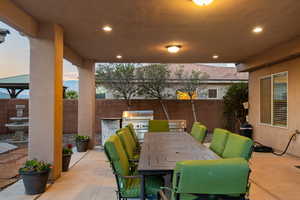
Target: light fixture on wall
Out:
[202,2]
[119,57]
[173,48]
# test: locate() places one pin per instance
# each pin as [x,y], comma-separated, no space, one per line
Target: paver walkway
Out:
[273,178]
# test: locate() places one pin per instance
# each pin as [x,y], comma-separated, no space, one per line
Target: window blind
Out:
[265,100]
[280,99]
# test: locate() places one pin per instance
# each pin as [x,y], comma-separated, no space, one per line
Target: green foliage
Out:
[153,80]
[71,94]
[234,111]
[190,81]
[67,150]
[35,166]
[82,138]
[120,78]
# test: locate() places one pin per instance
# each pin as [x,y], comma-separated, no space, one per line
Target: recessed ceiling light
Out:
[119,57]
[202,2]
[107,28]
[215,56]
[257,29]
[173,48]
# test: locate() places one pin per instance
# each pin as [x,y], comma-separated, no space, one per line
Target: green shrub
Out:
[82,138]
[35,166]
[234,112]
[67,150]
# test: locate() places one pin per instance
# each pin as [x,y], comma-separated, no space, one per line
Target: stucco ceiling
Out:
[142,28]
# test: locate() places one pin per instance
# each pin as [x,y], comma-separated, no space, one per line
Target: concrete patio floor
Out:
[272,178]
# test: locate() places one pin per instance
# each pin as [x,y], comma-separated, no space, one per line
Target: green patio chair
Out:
[158,126]
[127,182]
[210,180]
[238,146]
[199,132]
[134,135]
[219,140]
[129,144]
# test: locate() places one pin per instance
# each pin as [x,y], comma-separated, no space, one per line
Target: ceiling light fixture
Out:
[202,2]
[119,57]
[215,56]
[257,29]
[107,28]
[173,48]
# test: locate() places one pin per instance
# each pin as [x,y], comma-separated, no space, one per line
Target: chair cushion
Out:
[128,143]
[117,156]
[133,133]
[158,126]
[219,140]
[199,132]
[133,187]
[238,146]
[222,176]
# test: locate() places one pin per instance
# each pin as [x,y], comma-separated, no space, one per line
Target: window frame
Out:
[217,92]
[272,100]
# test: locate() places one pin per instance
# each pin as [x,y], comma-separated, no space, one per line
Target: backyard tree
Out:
[234,111]
[120,78]
[153,82]
[71,94]
[190,81]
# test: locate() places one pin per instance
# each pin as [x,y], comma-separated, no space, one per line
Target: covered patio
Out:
[262,37]
[91,178]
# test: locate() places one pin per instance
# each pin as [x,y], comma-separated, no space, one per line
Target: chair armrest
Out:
[134,176]
[162,195]
[134,160]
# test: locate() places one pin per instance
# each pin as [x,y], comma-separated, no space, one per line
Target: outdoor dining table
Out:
[161,150]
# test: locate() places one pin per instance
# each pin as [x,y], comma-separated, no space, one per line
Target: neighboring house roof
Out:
[17,82]
[20,81]
[214,72]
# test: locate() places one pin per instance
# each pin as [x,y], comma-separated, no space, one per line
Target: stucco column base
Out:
[86,101]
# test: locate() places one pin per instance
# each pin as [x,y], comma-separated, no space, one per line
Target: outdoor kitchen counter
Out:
[161,151]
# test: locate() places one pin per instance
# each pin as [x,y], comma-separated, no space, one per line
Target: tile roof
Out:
[214,72]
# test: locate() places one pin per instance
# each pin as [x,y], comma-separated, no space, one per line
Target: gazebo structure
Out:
[17,84]
[256,34]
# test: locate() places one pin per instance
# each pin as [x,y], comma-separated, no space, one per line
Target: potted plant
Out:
[82,143]
[35,176]
[66,157]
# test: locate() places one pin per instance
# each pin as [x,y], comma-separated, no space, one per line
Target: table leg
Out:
[143,194]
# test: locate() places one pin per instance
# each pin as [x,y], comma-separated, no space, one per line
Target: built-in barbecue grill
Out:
[139,119]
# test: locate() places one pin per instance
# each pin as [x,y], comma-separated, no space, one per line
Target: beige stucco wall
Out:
[275,136]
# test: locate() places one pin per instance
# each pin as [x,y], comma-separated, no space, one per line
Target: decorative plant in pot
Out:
[66,157]
[35,176]
[82,143]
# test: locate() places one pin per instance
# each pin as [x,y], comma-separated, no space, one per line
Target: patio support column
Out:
[86,101]
[46,90]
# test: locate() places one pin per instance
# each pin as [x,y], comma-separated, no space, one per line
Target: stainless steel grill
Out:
[139,119]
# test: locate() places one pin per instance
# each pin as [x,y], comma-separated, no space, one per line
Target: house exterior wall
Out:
[202,92]
[277,137]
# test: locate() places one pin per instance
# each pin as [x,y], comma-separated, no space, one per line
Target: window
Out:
[212,93]
[273,99]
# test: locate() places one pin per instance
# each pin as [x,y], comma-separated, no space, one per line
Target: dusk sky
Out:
[14,56]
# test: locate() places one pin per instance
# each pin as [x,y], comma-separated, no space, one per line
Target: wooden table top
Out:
[160,151]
